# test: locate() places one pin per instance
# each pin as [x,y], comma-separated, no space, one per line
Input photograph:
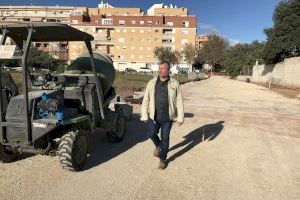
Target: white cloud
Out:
[207,28]
[233,42]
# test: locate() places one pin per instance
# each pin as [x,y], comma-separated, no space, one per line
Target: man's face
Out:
[163,71]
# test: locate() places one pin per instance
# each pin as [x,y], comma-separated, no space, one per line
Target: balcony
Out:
[168,32]
[167,41]
[103,39]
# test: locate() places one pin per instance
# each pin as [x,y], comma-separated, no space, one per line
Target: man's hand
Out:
[179,123]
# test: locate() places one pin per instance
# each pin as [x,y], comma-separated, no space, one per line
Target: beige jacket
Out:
[176,112]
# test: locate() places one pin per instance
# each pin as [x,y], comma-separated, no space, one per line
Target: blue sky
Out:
[236,20]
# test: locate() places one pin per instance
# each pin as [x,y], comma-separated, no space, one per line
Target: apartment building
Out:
[19,14]
[35,14]
[130,36]
[200,40]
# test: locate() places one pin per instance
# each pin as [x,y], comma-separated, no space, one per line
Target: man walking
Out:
[162,104]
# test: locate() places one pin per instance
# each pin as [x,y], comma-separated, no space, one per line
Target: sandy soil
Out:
[239,141]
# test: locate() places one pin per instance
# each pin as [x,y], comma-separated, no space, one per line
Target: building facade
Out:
[200,40]
[128,35]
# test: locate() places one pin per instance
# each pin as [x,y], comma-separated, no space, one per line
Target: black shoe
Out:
[156,152]
[162,164]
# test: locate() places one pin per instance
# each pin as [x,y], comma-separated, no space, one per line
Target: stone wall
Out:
[286,73]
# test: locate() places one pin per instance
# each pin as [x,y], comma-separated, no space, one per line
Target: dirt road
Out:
[239,141]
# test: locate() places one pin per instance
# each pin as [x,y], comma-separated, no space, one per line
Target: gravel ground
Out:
[239,141]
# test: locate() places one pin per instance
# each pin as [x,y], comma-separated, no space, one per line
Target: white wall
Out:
[285,73]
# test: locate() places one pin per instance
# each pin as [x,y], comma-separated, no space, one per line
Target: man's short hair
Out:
[164,62]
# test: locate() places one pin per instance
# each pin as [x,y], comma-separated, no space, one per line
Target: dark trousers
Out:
[163,143]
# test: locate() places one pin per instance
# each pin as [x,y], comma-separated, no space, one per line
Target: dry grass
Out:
[123,82]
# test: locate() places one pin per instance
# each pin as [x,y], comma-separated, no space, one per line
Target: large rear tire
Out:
[7,155]
[118,135]
[72,150]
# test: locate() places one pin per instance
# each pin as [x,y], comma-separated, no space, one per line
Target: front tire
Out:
[7,155]
[72,150]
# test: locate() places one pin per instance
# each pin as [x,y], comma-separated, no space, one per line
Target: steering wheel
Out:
[48,77]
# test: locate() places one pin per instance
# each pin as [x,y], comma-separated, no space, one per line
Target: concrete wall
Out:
[285,73]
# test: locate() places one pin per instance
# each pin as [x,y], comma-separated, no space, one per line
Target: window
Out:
[124,47]
[148,39]
[99,30]
[142,31]
[185,32]
[132,56]
[107,21]
[125,30]
[142,22]
[156,39]
[167,31]
[185,24]
[168,48]
[148,56]
[133,22]
[157,22]
[74,21]
[149,48]
[121,57]
[121,40]
[149,30]
[167,40]
[141,48]
[149,22]
[132,30]
[117,30]
[140,56]
[122,22]
[132,47]
[156,30]
[170,23]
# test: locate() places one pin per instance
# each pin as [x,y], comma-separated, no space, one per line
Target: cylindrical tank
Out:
[104,67]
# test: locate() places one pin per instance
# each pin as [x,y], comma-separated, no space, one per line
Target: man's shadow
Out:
[207,132]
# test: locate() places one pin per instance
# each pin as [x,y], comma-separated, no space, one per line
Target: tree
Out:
[241,57]
[189,53]
[40,59]
[283,39]
[213,51]
[199,61]
[165,54]
[10,63]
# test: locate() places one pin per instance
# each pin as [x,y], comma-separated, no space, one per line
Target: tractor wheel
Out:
[118,135]
[72,150]
[7,155]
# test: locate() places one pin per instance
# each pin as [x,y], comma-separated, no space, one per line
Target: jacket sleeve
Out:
[145,104]
[180,106]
